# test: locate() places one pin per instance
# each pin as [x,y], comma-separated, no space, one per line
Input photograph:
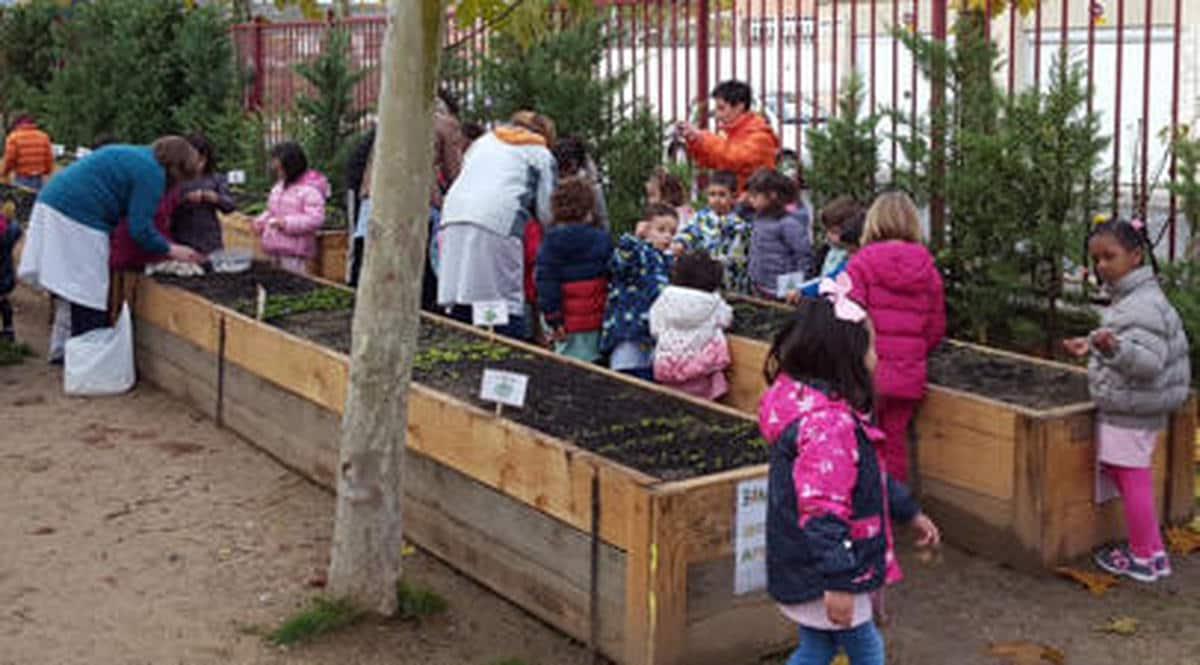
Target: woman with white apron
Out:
[67,244]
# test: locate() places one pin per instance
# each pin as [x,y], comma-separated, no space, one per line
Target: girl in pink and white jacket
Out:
[688,320]
[295,209]
[830,503]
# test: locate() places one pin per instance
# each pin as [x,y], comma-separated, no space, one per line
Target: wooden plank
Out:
[519,552]
[330,262]
[668,577]
[640,561]
[237,232]
[307,369]
[741,634]
[972,412]
[1181,477]
[977,523]
[746,381]
[178,312]
[965,458]
[708,524]
[710,590]
[178,367]
[1029,485]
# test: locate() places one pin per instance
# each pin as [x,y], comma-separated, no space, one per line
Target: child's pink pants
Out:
[1137,493]
[893,415]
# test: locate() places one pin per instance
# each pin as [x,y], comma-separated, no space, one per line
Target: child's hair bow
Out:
[838,291]
[1137,224]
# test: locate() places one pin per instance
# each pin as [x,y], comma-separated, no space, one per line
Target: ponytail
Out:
[1130,233]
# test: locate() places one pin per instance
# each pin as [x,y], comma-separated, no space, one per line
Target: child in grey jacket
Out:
[779,239]
[1138,373]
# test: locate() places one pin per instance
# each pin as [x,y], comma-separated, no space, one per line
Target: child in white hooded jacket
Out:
[688,321]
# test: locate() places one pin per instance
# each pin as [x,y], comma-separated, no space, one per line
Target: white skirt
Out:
[66,258]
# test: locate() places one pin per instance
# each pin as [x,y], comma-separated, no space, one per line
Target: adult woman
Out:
[67,247]
[505,184]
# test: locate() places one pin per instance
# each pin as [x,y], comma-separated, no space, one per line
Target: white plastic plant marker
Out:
[788,282]
[490,313]
[82,152]
[260,307]
[504,388]
[236,177]
[58,150]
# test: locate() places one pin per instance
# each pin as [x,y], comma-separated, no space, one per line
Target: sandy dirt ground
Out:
[135,532]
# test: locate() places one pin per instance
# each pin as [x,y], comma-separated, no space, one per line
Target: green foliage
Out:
[321,616]
[328,112]
[1187,181]
[417,604]
[324,299]
[1019,184]
[845,151]
[1181,283]
[13,353]
[555,75]
[26,53]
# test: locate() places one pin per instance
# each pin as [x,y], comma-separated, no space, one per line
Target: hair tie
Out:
[1137,224]
[838,292]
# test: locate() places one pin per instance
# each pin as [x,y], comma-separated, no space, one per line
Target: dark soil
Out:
[1027,384]
[657,434]
[233,288]
[1013,381]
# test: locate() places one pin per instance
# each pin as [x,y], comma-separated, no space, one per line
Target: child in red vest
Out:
[572,272]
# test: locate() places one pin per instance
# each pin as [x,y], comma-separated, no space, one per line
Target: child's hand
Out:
[184,253]
[792,297]
[929,536]
[839,607]
[677,248]
[1076,346]
[557,334]
[1105,341]
[201,196]
[641,230]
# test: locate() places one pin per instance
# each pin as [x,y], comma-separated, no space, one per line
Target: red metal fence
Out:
[796,53]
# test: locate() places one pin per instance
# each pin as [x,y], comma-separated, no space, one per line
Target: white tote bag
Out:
[101,362]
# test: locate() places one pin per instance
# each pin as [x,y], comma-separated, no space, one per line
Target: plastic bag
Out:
[101,362]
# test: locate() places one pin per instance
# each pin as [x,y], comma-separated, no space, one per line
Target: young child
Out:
[10,234]
[829,539]
[1138,373]
[842,236]
[719,230]
[574,162]
[640,268]
[779,241]
[572,272]
[662,187]
[688,321]
[194,223]
[295,209]
[895,278]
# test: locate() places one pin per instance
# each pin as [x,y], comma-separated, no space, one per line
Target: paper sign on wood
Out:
[58,149]
[82,152]
[490,313]
[236,177]
[504,387]
[750,537]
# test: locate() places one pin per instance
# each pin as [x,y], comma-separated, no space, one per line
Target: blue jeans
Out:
[29,182]
[863,645]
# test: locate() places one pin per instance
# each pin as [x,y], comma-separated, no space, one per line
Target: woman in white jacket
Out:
[688,321]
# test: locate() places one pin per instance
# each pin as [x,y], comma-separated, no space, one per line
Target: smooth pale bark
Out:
[365,559]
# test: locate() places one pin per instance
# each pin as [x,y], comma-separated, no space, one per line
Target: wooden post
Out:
[365,559]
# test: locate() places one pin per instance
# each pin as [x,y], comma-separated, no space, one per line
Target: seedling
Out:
[417,604]
[322,615]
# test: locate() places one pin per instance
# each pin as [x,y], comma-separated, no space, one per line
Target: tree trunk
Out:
[365,558]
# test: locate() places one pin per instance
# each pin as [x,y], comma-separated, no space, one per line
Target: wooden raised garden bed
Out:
[332,246]
[1005,449]
[606,506]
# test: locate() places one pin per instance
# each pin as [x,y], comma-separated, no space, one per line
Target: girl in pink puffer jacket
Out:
[295,209]
[895,278]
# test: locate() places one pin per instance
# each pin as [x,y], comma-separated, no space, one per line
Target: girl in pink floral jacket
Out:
[829,501]
[687,321]
[295,209]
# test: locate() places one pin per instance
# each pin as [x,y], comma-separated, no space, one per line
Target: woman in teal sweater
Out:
[66,248]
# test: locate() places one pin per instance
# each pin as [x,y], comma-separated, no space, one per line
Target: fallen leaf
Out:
[929,556]
[1026,653]
[1097,583]
[1195,525]
[407,550]
[224,553]
[317,581]
[1124,626]
[1183,540]
[840,659]
[43,531]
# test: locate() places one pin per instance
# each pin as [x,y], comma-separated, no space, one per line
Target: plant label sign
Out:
[792,281]
[750,536]
[82,152]
[236,177]
[58,150]
[490,313]
[502,387]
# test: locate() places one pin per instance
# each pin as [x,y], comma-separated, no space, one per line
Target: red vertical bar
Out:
[798,18]
[646,50]
[916,25]
[895,78]
[1174,126]
[621,47]
[937,205]
[1091,59]
[833,98]
[259,63]
[748,22]
[1037,46]
[733,42]
[1012,49]
[1062,29]
[660,58]
[987,20]
[816,46]
[762,45]
[687,60]
[853,35]
[779,66]
[1117,110]
[675,59]
[702,36]
[874,35]
[703,92]
[1145,202]
[608,41]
